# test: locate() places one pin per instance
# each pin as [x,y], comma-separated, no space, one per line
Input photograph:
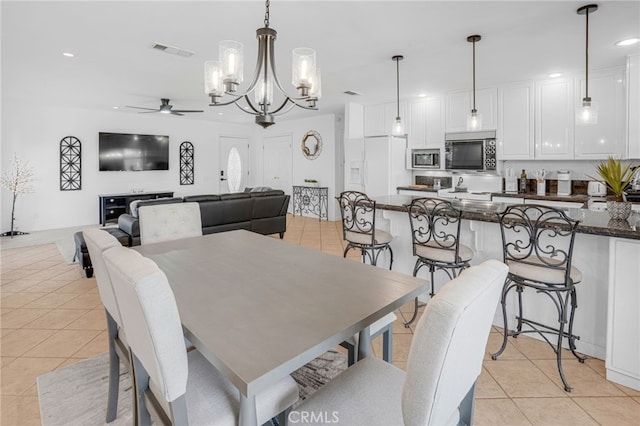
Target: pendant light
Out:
[587,113]
[474,119]
[398,125]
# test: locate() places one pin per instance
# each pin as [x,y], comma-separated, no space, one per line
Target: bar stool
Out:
[358,213]
[435,234]
[538,248]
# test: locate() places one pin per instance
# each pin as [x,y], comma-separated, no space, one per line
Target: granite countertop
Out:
[577,198]
[425,188]
[591,221]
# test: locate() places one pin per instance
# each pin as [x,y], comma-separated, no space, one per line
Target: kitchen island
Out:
[607,253]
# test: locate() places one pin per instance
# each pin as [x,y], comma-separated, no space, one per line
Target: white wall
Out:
[323,168]
[34,133]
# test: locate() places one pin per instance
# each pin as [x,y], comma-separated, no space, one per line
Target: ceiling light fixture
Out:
[68,54]
[628,42]
[588,112]
[223,77]
[474,119]
[398,126]
[555,74]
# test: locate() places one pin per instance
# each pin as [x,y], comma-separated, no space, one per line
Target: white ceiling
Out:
[114,64]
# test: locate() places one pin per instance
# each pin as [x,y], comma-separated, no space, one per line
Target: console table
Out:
[113,205]
[311,199]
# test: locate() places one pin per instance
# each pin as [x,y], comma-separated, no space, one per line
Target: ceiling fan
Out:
[165,108]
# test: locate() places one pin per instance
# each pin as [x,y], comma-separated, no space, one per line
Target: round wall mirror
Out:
[311,145]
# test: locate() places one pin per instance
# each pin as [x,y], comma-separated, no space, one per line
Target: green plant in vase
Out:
[616,177]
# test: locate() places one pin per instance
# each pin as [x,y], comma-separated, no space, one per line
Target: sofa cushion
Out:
[235,195]
[199,198]
[268,193]
[135,204]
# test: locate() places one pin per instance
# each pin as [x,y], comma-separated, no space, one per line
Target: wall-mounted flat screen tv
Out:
[129,152]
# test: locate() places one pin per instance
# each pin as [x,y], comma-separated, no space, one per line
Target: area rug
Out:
[77,394]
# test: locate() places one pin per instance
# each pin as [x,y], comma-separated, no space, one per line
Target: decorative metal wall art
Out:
[70,164]
[186,163]
[311,145]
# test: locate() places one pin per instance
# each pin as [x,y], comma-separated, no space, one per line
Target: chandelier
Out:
[222,77]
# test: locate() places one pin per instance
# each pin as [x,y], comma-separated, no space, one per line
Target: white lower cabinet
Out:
[623,322]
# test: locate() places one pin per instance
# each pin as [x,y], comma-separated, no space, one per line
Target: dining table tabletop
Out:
[258,308]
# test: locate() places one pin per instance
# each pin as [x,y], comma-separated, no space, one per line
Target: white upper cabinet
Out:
[515,122]
[354,121]
[459,104]
[633,106]
[435,123]
[607,136]
[425,124]
[379,119]
[554,114]
[417,123]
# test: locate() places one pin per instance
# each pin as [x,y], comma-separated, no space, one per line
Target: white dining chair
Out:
[165,222]
[177,387]
[97,242]
[444,363]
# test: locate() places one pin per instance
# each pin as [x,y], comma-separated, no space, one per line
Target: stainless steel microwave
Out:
[425,158]
[470,151]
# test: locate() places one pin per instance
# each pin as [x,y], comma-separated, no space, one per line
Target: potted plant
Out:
[18,179]
[616,177]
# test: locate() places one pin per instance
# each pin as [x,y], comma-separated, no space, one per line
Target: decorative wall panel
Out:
[70,164]
[186,163]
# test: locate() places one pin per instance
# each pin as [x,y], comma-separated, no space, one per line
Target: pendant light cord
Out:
[397,87]
[266,14]
[474,75]
[586,56]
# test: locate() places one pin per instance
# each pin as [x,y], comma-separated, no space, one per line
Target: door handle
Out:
[223,179]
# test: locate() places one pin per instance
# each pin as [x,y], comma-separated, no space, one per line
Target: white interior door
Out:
[234,167]
[278,162]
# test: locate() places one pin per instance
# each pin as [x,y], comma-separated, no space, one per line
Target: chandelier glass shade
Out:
[587,112]
[474,118]
[223,77]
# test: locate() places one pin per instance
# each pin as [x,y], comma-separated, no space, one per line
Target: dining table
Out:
[259,308]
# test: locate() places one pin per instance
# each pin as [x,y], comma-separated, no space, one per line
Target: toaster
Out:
[596,189]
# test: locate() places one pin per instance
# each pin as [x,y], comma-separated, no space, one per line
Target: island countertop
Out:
[591,222]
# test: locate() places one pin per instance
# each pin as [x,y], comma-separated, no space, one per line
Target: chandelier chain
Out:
[266,14]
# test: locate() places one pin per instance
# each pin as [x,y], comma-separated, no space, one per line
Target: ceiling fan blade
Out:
[148,109]
[187,110]
[175,113]
[149,112]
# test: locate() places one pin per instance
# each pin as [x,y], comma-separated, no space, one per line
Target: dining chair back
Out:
[448,346]
[444,363]
[165,222]
[175,386]
[97,242]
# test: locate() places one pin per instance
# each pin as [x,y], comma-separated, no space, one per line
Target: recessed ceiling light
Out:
[422,95]
[628,42]
[116,107]
[555,74]
[220,113]
[68,54]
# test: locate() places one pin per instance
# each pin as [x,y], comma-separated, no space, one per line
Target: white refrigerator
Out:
[376,166]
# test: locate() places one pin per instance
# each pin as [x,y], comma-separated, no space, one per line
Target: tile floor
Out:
[51,316]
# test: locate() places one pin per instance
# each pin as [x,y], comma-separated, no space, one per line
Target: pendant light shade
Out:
[398,126]
[474,118]
[587,112]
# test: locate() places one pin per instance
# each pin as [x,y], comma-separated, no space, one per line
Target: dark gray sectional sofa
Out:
[263,212]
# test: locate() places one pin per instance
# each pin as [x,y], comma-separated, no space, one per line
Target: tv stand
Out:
[113,205]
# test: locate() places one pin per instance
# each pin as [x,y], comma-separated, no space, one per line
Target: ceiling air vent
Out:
[172,50]
[352,93]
